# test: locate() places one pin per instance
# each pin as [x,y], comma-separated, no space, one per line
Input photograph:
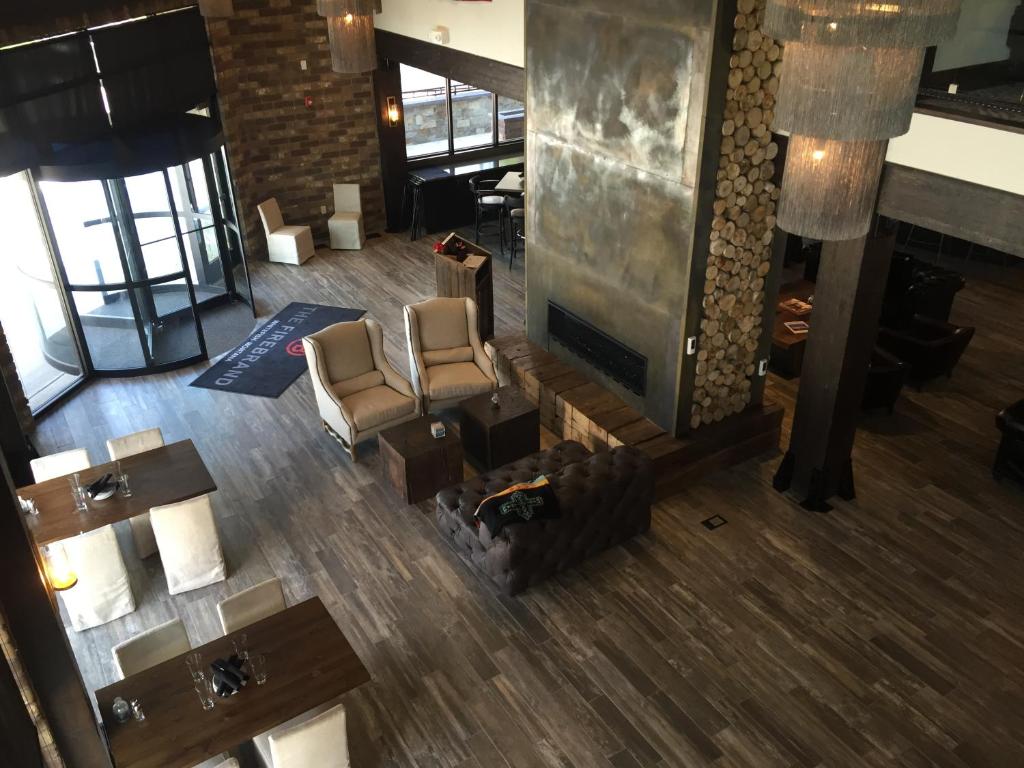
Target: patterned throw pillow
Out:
[520,503]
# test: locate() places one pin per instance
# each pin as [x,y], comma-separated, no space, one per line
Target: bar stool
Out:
[487,203]
[517,225]
[413,189]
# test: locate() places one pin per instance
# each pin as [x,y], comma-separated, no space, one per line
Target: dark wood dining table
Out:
[309,663]
[164,475]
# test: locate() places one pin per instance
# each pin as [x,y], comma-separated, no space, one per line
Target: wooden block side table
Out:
[417,464]
[493,437]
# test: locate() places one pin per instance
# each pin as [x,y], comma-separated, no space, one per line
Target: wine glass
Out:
[194,662]
[204,689]
[258,664]
[241,644]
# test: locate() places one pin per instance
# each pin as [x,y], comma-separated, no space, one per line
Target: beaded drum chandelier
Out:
[848,85]
[350,34]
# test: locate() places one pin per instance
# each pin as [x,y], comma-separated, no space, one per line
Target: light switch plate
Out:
[691,345]
[762,368]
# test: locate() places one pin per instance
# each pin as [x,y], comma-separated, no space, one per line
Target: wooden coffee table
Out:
[417,464]
[493,437]
[787,347]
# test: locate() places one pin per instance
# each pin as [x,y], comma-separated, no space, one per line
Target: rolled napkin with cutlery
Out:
[103,488]
[229,677]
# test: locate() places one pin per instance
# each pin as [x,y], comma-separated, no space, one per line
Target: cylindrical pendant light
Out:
[350,34]
[875,23]
[213,9]
[848,84]
[828,192]
[849,93]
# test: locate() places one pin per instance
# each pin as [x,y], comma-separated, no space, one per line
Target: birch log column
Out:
[739,253]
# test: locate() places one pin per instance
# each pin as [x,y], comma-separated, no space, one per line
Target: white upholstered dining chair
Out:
[446,357]
[152,647]
[250,605]
[285,244]
[103,592]
[130,445]
[358,392]
[346,225]
[316,738]
[60,464]
[186,535]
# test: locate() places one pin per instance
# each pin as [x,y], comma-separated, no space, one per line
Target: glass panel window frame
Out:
[453,90]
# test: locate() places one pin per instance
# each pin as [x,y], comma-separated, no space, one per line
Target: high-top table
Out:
[309,663]
[164,475]
[511,183]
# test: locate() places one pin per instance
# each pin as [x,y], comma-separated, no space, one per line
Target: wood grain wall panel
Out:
[953,207]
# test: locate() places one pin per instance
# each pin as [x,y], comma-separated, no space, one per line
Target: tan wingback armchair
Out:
[357,390]
[446,357]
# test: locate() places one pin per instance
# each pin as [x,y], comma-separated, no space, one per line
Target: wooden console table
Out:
[464,270]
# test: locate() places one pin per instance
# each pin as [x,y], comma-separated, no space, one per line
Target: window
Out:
[444,116]
[472,116]
[511,119]
[984,61]
[425,104]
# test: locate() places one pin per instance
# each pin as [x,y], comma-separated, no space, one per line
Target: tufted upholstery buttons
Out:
[605,499]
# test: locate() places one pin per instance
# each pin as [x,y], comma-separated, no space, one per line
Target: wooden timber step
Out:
[576,408]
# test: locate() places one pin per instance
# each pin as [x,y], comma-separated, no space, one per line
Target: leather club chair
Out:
[1010,458]
[605,499]
[358,391]
[931,348]
[886,375]
[446,356]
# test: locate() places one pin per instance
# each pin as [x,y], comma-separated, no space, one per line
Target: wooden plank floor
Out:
[888,633]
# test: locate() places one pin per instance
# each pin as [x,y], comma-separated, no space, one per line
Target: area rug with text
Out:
[272,358]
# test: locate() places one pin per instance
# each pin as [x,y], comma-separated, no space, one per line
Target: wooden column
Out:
[19,740]
[844,326]
[33,624]
[387,81]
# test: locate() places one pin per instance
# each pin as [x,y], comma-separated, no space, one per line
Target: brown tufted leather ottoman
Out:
[605,499]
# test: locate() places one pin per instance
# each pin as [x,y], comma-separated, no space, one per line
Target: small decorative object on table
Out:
[798,327]
[796,307]
[495,401]
[437,430]
[137,710]
[121,710]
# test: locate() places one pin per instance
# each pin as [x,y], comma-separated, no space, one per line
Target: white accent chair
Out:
[152,647]
[446,356]
[250,605]
[130,445]
[60,464]
[358,391]
[186,535]
[318,738]
[285,245]
[346,225]
[103,592]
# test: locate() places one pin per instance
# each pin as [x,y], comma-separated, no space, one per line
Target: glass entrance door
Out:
[137,256]
[32,311]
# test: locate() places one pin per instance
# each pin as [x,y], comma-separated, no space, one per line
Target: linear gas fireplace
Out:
[597,348]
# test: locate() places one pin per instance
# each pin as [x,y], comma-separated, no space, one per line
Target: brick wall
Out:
[277,147]
[10,376]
